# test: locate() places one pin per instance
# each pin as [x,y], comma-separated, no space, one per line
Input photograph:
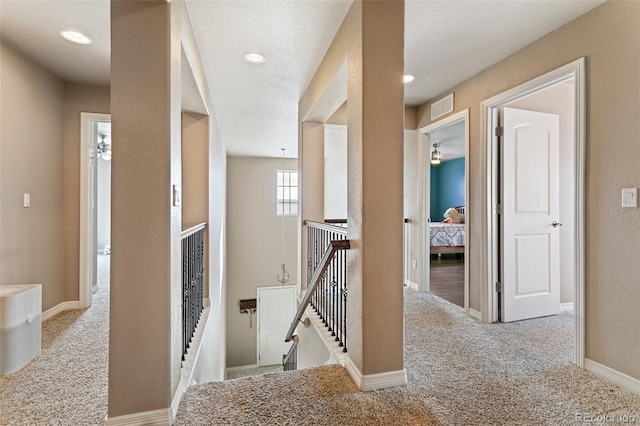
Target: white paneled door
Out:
[530,243]
[276,309]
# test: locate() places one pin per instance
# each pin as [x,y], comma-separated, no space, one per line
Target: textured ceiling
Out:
[446,42]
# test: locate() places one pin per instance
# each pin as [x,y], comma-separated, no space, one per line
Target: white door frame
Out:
[488,120]
[87,252]
[424,177]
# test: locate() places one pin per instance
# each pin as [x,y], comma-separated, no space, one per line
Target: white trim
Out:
[424,250]
[609,374]
[241,367]
[335,126]
[412,284]
[369,382]
[566,307]
[88,136]
[160,417]
[64,306]
[190,361]
[474,314]
[488,114]
[325,335]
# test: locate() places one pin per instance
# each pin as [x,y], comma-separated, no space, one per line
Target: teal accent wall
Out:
[447,187]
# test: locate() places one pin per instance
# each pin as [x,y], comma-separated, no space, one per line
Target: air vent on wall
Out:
[442,107]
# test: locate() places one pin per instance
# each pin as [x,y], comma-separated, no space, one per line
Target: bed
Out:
[447,237]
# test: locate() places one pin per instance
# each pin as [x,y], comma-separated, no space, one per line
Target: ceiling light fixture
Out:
[75,37]
[436,156]
[254,58]
[408,78]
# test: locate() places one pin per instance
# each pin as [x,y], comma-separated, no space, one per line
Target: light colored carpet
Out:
[459,372]
[236,373]
[67,383]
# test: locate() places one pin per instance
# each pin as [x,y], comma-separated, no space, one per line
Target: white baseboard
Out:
[609,374]
[369,382]
[566,307]
[64,306]
[475,314]
[242,367]
[160,417]
[412,284]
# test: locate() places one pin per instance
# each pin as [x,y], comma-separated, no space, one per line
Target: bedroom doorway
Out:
[95,200]
[444,171]
[560,92]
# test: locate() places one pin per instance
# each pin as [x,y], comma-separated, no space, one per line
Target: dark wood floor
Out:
[447,277]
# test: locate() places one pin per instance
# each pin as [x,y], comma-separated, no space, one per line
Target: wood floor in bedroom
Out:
[447,277]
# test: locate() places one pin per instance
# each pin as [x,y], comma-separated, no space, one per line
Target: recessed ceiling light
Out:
[75,37]
[408,78]
[254,58]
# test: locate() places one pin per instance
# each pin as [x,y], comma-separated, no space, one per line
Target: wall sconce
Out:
[104,149]
[436,156]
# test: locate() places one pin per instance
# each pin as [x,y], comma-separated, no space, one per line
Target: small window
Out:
[287,193]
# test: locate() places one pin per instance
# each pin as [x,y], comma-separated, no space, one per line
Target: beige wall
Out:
[31,161]
[78,98]
[146,292]
[371,40]
[254,246]
[43,114]
[609,38]
[195,168]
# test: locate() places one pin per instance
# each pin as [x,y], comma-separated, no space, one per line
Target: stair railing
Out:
[192,281]
[327,285]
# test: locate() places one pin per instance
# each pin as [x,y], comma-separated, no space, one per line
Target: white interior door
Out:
[530,245]
[276,309]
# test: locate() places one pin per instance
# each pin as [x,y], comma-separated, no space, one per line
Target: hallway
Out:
[459,372]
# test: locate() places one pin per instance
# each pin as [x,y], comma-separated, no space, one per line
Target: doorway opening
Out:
[444,181]
[95,203]
[555,198]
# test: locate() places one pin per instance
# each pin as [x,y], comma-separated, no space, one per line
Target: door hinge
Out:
[498,208]
[499,287]
[499,131]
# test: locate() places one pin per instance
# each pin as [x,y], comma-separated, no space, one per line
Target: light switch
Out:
[27,200]
[630,197]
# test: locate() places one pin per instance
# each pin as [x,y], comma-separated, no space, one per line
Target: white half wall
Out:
[335,171]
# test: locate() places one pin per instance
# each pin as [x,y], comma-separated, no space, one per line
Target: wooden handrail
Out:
[327,257]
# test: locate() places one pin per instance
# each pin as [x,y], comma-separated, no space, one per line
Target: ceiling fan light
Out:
[436,155]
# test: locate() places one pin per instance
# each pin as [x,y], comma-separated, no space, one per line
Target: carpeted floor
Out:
[67,383]
[459,372]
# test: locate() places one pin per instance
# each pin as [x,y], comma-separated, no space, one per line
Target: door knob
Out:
[556,224]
